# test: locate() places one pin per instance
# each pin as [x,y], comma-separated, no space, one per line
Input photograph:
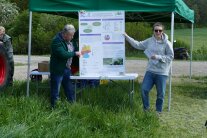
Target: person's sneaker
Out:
[158,113]
[147,110]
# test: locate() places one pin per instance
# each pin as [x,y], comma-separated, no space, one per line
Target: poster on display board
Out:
[101,38]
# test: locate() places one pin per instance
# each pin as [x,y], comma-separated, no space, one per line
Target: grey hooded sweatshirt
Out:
[162,49]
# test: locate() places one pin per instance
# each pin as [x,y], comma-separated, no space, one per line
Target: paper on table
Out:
[149,54]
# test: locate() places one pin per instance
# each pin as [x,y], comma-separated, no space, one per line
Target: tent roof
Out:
[136,10]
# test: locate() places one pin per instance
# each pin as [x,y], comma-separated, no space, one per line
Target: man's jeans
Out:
[159,81]
[68,87]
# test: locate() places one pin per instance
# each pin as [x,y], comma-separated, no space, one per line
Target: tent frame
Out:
[170,73]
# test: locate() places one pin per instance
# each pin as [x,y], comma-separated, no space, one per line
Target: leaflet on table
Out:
[100,36]
[149,54]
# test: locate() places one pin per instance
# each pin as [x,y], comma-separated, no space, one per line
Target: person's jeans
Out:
[68,87]
[159,81]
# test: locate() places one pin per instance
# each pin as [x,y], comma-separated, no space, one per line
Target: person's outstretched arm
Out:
[134,43]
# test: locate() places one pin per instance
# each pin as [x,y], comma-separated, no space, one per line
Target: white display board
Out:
[101,38]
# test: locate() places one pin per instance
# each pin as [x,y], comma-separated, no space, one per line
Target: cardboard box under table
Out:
[43,66]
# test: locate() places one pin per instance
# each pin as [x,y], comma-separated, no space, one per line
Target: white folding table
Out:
[127,76]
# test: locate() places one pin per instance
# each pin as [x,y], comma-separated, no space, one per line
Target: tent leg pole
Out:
[191,51]
[170,73]
[29,51]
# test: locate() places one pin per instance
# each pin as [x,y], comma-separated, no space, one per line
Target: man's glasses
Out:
[158,31]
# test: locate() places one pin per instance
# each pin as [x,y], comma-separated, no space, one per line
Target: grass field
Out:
[200,35]
[104,112]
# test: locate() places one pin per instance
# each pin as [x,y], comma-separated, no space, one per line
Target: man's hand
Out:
[77,53]
[1,43]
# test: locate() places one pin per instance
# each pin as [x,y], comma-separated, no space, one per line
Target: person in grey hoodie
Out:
[159,52]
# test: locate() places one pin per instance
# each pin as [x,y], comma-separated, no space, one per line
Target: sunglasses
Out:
[158,31]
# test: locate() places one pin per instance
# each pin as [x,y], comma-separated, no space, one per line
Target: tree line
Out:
[10,8]
[199,7]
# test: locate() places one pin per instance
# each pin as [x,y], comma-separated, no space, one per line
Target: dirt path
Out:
[180,68]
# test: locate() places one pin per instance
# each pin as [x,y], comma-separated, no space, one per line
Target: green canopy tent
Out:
[136,10]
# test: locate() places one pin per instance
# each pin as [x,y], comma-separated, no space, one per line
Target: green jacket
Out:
[75,61]
[59,55]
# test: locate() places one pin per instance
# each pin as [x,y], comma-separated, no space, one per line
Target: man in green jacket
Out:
[62,52]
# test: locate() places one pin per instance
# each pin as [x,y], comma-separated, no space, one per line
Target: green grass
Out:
[189,103]
[199,42]
[104,112]
[19,64]
[200,35]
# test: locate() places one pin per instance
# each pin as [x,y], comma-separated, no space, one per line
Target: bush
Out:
[200,54]
[44,27]
[8,12]
[20,29]
[20,44]
[180,43]
[41,40]
[138,31]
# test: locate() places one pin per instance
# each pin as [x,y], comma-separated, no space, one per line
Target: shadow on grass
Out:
[113,96]
[101,111]
[19,89]
[195,89]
